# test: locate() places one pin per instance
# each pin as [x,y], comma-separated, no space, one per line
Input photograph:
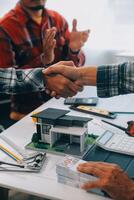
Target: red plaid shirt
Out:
[21,39]
[21,47]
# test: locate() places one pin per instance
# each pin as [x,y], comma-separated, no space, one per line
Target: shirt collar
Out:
[24,16]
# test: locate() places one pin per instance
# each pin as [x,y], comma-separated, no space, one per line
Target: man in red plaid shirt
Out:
[32,36]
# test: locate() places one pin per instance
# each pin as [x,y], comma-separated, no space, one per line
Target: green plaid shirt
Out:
[115,79]
[14,81]
[111,80]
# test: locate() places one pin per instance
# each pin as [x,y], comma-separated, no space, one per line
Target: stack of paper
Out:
[67,172]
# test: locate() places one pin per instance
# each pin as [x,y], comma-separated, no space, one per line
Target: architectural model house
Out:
[58,130]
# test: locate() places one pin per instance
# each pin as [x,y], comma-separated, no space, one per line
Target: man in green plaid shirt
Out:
[111,80]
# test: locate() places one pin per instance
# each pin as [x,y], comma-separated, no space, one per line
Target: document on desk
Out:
[12,160]
[97,127]
[118,103]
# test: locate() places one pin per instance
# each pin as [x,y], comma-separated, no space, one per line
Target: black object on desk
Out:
[126,162]
[129,130]
[94,111]
[91,101]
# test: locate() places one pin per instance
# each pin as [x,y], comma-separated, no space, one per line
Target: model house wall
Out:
[53,125]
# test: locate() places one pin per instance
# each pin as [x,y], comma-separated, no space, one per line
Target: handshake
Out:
[64,79]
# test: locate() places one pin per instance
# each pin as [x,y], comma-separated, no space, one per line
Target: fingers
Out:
[73,87]
[103,167]
[74,25]
[49,37]
[78,39]
[67,63]
[71,91]
[80,88]
[58,67]
[47,91]
[53,70]
[92,185]
[68,71]
[62,86]
[97,165]
[53,44]
[85,35]
[51,32]
[52,93]
[79,82]
[90,170]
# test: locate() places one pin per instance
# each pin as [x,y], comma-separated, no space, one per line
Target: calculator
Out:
[120,143]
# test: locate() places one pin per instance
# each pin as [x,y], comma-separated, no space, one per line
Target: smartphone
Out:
[92,101]
[94,111]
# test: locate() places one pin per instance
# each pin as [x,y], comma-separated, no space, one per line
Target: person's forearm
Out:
[14,81]
[88,75]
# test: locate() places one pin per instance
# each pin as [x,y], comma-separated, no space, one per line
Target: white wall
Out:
[97,15]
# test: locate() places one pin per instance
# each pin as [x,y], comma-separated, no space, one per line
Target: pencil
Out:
[115,125]
[9,153]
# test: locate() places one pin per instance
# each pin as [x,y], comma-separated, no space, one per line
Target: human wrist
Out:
[88,75]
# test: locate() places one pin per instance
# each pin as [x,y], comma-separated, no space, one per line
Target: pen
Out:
[115,125]
[11,164]
[122,112]
[9,153]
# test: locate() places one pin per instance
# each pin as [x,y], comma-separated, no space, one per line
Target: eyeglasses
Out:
[33,163]
[36,161]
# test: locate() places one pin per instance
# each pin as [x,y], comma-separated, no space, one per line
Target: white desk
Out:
[125,56]
[41,184]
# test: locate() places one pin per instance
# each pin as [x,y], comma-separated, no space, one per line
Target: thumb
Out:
[53,70]
[67,63]
[74,25]
[59,67]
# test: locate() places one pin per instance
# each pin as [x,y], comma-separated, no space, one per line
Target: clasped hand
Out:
[58,84]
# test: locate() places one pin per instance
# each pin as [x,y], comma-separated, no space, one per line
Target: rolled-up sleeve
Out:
[114,80]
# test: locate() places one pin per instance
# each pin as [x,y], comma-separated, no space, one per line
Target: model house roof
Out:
[58,117]
[50,115]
